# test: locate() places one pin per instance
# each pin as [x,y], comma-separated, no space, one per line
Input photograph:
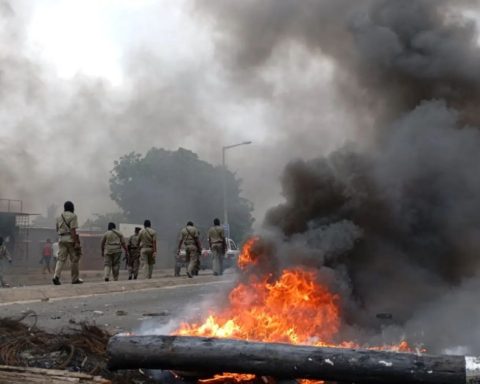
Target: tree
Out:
[172,187]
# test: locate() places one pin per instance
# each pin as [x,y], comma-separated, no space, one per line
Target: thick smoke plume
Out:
[399,222]
[59,138]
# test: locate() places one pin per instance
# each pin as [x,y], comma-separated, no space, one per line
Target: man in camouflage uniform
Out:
[69,244]
[148,249]
[112,244]
[218,246]
[4,256]
[133,260]
[190,239]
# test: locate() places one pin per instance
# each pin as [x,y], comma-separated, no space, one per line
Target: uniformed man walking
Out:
[133,259]
[112,244]
[69,244]
[218,246]
[148,249]
[190,239]
[4,256]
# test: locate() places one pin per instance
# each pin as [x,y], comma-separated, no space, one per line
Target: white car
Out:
[231,256]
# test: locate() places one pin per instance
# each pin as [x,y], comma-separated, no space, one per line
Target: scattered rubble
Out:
[156,314]
[14,375]
[80,349]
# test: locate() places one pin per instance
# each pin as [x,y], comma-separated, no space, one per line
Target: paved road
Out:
[17,277]
[138,311]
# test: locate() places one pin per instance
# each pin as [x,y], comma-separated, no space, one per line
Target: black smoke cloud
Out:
[388,55]
[408,73]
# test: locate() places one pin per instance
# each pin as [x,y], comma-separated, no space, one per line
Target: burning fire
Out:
[291,308]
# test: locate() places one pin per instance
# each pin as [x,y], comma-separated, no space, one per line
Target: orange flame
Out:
[294,308]
[246,256]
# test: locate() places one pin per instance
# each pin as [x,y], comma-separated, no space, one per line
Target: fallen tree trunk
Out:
[26,375]
[211,355]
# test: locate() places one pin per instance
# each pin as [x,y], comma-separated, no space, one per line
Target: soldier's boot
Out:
[58,272]
[106,273]
[150,271]
[176,271]
[115,272]
[75,272]
[190,269]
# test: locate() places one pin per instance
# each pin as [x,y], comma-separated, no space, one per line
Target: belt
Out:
[63,234]
[217,242]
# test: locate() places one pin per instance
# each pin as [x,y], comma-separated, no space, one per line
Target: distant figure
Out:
[190,238]
[4,256]
[69,244]
[112,244]
[133,260]
[218,246]
[47,253]
[148,249]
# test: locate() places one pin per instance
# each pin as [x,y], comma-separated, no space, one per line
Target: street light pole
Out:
[224,182]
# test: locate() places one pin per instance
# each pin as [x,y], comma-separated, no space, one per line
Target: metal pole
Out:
[224,182]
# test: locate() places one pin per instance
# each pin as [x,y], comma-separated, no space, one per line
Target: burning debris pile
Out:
[291,305]
[78,350]
[276,327]
[392,214]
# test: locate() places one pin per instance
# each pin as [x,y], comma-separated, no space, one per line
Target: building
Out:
[14,228]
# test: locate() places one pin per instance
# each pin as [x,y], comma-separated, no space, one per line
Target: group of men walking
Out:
[140,248]
[190,241]
[140,251]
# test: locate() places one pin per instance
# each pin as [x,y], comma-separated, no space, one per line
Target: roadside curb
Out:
[47,292]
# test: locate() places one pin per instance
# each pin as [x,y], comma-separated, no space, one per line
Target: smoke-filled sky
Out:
[85,82]
[377,99]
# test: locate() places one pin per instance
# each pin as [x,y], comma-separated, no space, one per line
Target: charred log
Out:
[284,361]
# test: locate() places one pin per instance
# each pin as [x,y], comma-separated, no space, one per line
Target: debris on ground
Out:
[78,349]
[156,314]
[14,375]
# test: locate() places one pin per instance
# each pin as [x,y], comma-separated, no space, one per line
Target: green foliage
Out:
[172,187]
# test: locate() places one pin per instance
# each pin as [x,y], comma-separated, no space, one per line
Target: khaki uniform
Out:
[133,256]
[67,249]
[4,257]
[190,236]
[147,237]
[216,237]
[112,253]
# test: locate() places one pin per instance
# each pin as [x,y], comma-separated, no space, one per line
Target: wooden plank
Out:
[211,355]
[27,375]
